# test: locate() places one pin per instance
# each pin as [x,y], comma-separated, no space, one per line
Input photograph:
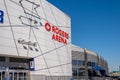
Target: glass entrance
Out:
[13,75]
[12,68]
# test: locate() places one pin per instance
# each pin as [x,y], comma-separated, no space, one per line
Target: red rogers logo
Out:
[58,34]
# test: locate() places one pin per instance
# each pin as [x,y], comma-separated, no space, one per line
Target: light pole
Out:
[119,68]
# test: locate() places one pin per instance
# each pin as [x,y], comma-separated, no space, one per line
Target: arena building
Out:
[96,65]
[35,41]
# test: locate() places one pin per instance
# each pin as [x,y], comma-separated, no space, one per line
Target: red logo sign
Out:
[47,26]
[58,34]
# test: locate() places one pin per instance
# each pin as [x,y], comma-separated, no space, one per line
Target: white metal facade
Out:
[25,20]
[78,54]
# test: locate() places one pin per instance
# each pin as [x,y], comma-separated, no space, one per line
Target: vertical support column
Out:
[7,77]
[1,75]
[86,68]
[97,60]
[28,75]
[13,75]
[77,58]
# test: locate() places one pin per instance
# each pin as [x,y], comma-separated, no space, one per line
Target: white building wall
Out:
[52,58]
[78,54]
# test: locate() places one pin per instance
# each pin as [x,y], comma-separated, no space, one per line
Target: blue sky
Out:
[95,26]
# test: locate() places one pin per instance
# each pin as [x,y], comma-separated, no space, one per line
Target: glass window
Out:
[2,58]
[74,62]
[74,72]
[89,64]
[20,60]
[77,62]
[81,72]
[80,63]
[93,64]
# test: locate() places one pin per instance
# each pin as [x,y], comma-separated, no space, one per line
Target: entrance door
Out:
[2,74]
[14,75]
[12,68]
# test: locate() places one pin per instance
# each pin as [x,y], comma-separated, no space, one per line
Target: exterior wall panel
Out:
[24,25]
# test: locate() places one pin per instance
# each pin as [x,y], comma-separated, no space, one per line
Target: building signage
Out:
[30,17]
[32,64]
[57,34]
[22,41]
[1,16]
